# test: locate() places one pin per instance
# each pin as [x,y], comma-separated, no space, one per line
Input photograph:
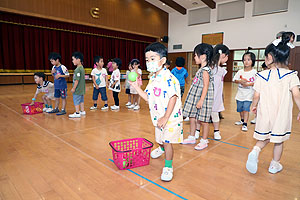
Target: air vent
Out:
[177,46]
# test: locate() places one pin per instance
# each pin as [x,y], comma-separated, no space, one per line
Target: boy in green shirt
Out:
[78,89]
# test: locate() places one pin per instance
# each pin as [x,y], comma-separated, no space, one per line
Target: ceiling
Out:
[188,4]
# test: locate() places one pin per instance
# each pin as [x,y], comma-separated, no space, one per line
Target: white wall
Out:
[256,32]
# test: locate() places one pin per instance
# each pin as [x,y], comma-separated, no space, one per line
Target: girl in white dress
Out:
[273,104]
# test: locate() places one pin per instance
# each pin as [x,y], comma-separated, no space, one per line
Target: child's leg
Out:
[129,98]
[77,108]
[168,151]
[193,122]
[48,100]
[277,151]
[205,128]
[246,116]
[116,98]
[81,107]
[167,173]
[56,103]
[63,104]
[242,116]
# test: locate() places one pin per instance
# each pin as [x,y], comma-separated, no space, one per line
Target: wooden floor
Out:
[45,156]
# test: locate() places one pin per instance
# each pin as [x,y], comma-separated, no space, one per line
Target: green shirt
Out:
[79,75]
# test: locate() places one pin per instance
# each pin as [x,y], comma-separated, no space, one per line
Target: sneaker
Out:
[202,144]
[186,119]
[82,113]
[252,161]
[104,108]
[49,110]
[167,174]
[239,123]
[75,115]
[55,110]
[156,153]
[197,134]
[244,128]
[131,106]
[137,107]
[217,135]
[93,108]
[114,107]
[45,109]
[275,167]
[253,121]
[128,104]
[62,112]
[189,140]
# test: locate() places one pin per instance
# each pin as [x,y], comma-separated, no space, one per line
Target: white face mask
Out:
[153,66]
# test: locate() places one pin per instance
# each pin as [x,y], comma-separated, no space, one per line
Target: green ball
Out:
[132,76]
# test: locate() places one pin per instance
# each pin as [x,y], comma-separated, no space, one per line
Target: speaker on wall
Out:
[164,39]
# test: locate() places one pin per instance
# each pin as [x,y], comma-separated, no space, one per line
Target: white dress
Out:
[275,106]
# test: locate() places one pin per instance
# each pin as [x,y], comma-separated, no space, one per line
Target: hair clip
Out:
[220,51]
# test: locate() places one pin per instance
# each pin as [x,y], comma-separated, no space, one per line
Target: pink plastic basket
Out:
[28,109]
[131,153]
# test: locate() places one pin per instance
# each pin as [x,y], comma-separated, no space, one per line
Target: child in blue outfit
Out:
[60,73]
[180,73]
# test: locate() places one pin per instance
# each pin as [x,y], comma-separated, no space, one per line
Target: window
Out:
[238,63]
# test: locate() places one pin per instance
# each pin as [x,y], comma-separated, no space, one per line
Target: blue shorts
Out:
[60,93]
[102,91]
[243,106]
[127,91]
[77,99]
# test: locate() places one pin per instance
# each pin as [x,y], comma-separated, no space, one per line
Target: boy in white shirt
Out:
[100,81]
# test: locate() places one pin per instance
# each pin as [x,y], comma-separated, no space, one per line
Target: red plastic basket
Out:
[28,109]
[131,153]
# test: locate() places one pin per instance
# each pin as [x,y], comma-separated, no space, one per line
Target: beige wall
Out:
[133,16]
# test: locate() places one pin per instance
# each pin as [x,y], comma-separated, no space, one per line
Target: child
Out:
[46,87]
[180,73]
[199,101]
[78,89]
[220,57]
[245,78]
[135,63]
[115,82]
[100,82]
[163,95]
[273,104]
[127,85]
[60,73]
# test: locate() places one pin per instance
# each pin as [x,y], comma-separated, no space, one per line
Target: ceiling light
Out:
[164,4]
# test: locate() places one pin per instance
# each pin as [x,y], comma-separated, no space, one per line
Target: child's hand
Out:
[254,109]
[161,122]
[298,117]
[57,76]
[97,87]
[199,104]
[245,84]
[31,103]
[53,71]
[73,90]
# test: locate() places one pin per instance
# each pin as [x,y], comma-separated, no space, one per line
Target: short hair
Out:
[54,56]
[168,62]
[252,56]
[97,59]
[180,61]
[158,48]
[204,49]
[281,52]
[78,55]
[135,61]
[40,74]
[118,61]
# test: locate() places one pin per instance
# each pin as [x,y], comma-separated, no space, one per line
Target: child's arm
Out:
[255,101]
[139,90]
[74,86]
[94,81]
[106,80]
[296,95]
[35,95]
[162,121]
[205,89]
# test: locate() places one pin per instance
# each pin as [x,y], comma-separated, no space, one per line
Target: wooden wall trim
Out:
[74,22]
